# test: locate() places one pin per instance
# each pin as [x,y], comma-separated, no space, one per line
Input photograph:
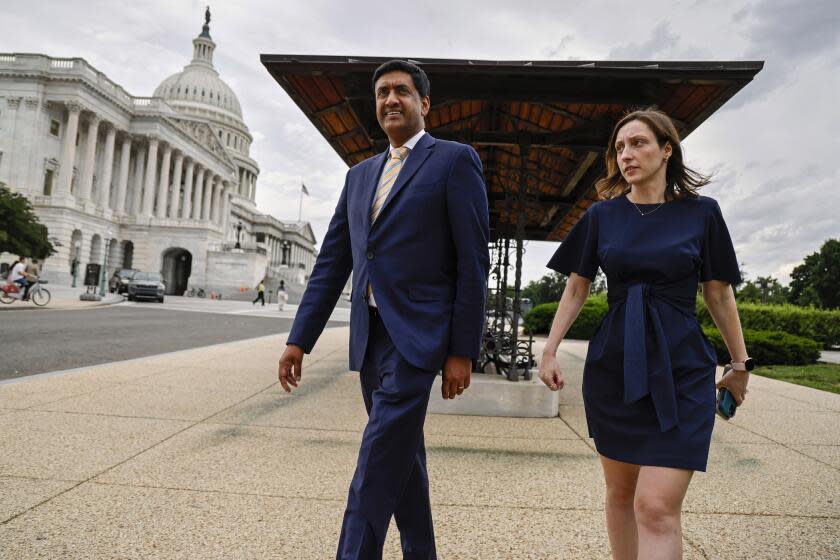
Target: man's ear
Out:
[425,104]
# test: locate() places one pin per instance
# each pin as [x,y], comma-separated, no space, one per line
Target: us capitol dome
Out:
[198,91]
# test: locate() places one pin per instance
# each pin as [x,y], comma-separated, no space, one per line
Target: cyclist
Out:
[18,276]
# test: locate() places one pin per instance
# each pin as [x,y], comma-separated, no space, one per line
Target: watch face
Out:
[749,364]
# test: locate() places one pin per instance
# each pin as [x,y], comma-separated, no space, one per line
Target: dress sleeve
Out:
[718,254]
[579,251]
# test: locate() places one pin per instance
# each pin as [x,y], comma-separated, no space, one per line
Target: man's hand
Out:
[456,376]
[291,364]
[550,372]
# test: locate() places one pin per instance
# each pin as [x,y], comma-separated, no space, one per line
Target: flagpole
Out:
[300,205]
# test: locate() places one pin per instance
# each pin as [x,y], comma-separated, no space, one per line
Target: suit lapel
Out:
[415,160]
[371,181]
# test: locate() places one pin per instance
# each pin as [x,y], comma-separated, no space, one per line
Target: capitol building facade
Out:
[162,183]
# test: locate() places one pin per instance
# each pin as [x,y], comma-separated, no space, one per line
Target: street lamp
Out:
[238,232]
[105,264]
[74,265]
[287,248]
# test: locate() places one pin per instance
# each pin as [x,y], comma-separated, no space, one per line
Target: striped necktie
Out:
[389,176]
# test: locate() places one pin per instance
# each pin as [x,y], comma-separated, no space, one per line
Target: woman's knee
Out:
[656,513]
[621,494]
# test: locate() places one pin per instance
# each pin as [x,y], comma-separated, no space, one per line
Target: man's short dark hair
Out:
[418,76]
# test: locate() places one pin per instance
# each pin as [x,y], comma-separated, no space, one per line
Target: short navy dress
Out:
[649,378]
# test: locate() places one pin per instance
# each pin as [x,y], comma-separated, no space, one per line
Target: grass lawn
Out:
[825,377]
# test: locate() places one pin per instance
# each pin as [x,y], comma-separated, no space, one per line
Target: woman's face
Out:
[639,156]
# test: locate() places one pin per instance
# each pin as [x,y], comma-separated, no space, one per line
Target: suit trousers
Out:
[391,477]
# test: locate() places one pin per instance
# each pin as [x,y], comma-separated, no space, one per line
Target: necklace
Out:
[640,210]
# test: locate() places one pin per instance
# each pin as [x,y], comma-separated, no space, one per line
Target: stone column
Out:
[163,185]
[226,195]
[107,168]
[186,210]
[241,184]
[149,182]
[208,191]
[89,162]
[175,193]
[68,148]
[199,193]
[8,122]
[216,214]
[137,194]
[31,146]
[122,181]
[253,187]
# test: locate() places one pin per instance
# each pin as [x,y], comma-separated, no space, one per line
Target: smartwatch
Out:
[746,365]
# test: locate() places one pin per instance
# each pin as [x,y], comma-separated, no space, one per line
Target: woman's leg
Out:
[659,497]
[621,521]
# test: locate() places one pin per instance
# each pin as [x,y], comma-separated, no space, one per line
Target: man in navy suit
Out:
[412,226]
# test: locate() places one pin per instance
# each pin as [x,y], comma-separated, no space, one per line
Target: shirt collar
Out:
[411,142]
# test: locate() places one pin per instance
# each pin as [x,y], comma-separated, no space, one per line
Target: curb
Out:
[48,307]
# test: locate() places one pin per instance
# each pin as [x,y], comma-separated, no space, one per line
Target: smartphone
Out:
[725,406]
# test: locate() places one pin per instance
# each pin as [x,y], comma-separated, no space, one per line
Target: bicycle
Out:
[40,296]
[192,293]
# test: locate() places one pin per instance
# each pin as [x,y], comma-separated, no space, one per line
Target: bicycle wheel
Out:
[5,298]
[201,293]
[40,297]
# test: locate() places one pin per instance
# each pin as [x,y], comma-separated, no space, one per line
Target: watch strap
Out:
[740,366]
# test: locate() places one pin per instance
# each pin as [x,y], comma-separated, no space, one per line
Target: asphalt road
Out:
[38,342]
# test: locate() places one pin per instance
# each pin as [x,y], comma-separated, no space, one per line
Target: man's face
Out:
[399,108]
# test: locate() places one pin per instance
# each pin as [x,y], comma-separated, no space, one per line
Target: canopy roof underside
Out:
[557,115]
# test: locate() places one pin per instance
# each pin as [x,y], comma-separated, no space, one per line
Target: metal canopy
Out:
[557,114]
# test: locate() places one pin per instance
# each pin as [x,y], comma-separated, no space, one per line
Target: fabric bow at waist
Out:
[649,372]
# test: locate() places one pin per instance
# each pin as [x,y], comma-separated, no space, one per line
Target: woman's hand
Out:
[550,372]
[734,381]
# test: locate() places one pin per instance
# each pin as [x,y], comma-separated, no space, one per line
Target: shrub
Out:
[591,314]
[769,347]
[538,320]
[821,325]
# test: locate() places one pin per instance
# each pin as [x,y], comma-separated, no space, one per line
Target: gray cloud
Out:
[661,40]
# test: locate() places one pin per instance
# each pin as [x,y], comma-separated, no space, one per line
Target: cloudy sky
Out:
[772,148]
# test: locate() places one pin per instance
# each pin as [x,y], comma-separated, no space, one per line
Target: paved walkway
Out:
[199,454]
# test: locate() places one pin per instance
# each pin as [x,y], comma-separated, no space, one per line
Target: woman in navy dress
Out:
[649,379]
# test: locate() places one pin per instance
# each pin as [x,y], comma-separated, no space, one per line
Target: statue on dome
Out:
[207,16]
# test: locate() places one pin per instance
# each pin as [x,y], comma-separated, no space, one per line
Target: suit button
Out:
[370,255]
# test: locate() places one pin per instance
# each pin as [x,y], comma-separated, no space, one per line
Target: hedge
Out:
[821,325]
[591,314]
[765,345]
[769,347]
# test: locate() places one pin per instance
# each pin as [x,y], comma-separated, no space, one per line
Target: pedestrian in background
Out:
[260,294]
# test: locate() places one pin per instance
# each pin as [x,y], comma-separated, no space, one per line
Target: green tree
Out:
[547,289]
[817,280]
[21,233]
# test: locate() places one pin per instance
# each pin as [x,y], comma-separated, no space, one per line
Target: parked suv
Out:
[119,281]
[146,285]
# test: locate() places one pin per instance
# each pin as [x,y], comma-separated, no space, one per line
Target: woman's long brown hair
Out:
[680,180]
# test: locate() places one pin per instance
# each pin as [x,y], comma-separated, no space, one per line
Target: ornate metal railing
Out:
[503,351]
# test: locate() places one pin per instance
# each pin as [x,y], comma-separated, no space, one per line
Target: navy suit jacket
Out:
[426,257]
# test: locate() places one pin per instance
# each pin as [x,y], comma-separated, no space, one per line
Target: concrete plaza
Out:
[200,454]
